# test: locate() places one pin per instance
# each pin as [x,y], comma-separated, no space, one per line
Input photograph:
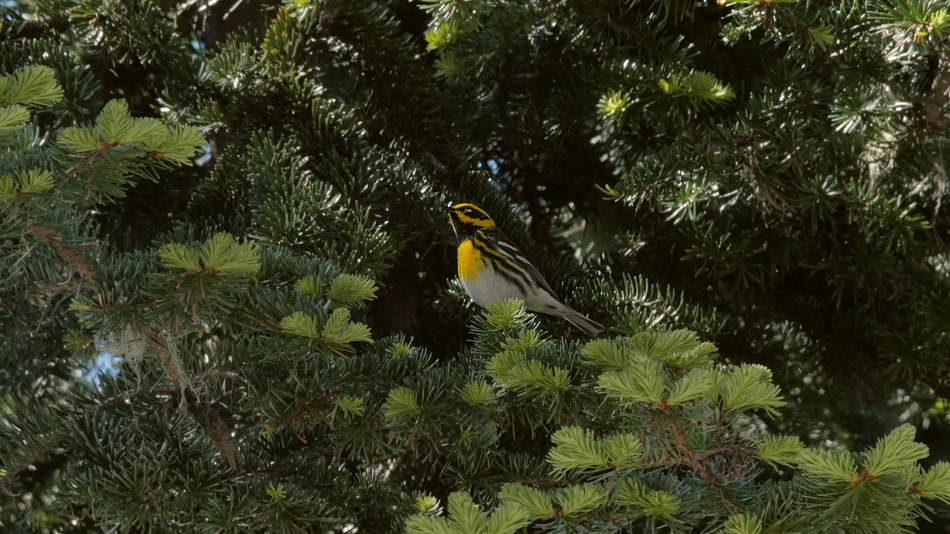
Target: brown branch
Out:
[939,94]
[68,285]
[199,408]
[70,255]
[729,454]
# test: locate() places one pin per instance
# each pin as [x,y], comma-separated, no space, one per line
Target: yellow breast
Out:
[470,260]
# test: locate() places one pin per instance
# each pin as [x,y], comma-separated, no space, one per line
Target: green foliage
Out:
[836,466]
[699,88]
[896,451]
[742,524]
[229,300]
[466,518]
[115,127]
[219,254]
[338,331]
[672,465]
[25,183]
[779,449]
[749,386]
[31,85]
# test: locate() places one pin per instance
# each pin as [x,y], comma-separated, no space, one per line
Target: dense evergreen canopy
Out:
[229,298]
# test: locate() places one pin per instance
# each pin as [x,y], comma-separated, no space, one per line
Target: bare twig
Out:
[70,255]
[199,408]
[939,94]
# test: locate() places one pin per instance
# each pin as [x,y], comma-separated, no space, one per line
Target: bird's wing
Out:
[505,244]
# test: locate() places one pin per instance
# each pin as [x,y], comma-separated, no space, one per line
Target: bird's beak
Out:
[446,208]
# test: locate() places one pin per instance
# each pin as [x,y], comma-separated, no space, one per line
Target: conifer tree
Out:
[229,301]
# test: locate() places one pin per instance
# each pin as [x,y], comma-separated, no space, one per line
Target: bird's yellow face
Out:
[467,219]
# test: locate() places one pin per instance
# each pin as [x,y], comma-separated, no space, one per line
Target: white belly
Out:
[489,286]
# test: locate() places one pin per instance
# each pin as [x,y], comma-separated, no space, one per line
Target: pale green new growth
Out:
[309,285]
[575,449]
[223,253]
[632,492]
[477,393]
[33,85]
[426,504]
[833,465]
[424,524]
[507,518]
[29,182]
[12,117]
[465,514]
[690,386]
[614,102]
[300,324]
[219,254]
[508,313]
[609,353]
[749,386]
[536,503]
[534,374]
[742,524]
[896,451]
[352,290]
[580,499]
[623,450]
[79,140]
[936,482]
[340,331]
[699,356]
[822,36]
[676,348]
[700,88]
[177,256]
[350,405]
[779,449]
[522,342]
[664,344]
[642,381]
[512,369]
[499,366]
[115,126]
[401,401]
[466,518]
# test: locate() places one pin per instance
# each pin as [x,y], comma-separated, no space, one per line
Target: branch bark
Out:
[70,255]
[199,408]
[939,94]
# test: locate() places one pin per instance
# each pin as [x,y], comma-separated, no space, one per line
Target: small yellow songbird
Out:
[491,268]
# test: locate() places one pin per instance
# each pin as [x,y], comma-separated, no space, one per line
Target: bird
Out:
[491,268]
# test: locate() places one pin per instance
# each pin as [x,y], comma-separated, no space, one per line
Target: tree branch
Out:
[200,409]
[70,255]
[939,94]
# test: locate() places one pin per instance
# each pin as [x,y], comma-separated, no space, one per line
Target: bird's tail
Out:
[591,328]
